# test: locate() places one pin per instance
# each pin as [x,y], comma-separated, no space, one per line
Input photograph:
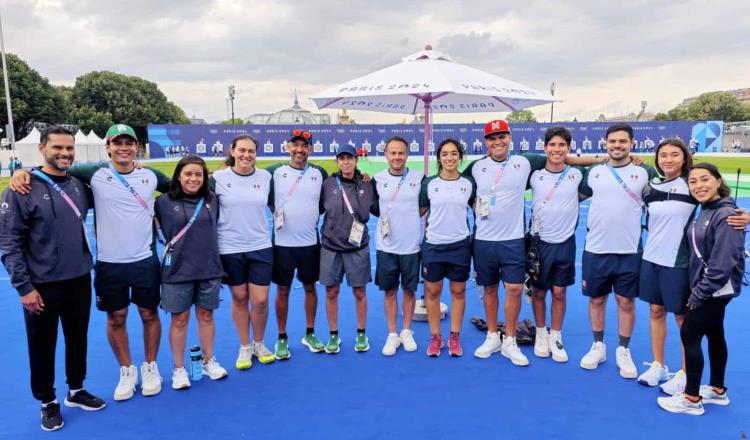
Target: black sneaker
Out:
[84,400]
[51,418]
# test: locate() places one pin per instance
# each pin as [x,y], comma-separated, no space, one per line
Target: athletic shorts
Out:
[305,259]
[119,284]
[252,267]
[495,260]
[452,261]
[558,264]
[665,286]
[390,268]
[603,273]
[355,264]
[178,297]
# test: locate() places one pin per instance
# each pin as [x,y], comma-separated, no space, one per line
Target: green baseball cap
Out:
[120,130]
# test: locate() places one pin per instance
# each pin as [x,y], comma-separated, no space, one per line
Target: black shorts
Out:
[603,273]
[119,284]
[305,259]
[558,264]
[452,261]
[390,268]
[252,267]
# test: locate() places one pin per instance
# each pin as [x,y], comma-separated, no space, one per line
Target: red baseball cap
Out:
[496,126]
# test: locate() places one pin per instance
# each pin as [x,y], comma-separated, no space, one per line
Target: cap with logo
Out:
[346,149]
[303,135]
[496,126]
[120,130]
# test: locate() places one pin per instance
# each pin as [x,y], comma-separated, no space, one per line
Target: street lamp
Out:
[552,108]
[231,100]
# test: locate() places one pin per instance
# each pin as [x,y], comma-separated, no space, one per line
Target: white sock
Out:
[73,392]
[555,333]
[44,405]
[541,329]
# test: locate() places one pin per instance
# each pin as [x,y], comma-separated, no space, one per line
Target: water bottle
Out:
[196,363]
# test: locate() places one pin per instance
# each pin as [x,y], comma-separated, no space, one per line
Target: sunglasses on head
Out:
[302,134]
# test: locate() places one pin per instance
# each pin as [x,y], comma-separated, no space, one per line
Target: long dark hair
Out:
[175,187]
[687,158]
[724,190]
[229,161]
[440,148]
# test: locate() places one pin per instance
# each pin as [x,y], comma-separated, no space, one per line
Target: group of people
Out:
[215,231]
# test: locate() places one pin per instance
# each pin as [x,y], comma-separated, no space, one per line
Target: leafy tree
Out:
[235,121]
[717,106]
[33,98]
[521,116]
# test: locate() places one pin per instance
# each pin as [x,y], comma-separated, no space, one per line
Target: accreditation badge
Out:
[278,219]
[355,235]
[483,207]
[385,227]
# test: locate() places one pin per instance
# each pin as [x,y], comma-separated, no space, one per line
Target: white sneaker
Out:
[491,344]
[596,355]
[679,404]
[656,374]
[541,342]
[128,381]
[391,344]
[213,370]
[407,338]
[710,396]
[150,379]
[675,384]
[245,357]
[180,380]
[625,363]
[511,351]
[556,347]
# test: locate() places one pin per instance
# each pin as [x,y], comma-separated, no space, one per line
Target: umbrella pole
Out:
[427,99]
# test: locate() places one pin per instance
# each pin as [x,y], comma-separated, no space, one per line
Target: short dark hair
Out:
[620,127]
[54,129]
[440,148]
[229,161]
[724,190]
[557,131]
[687,158]
[396,139]
[175,187]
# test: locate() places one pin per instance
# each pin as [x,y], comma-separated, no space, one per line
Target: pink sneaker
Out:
[454,345]
[436,343]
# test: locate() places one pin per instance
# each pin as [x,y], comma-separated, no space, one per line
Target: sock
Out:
[44,405]
[334,332]
[598,336]
[624,341]
[360,330]
[310,330]
[246,347]
[283,336]
[553,332]
[73,392]
[455,333]
[541,330]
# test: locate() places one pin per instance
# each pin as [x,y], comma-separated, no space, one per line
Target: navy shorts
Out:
[452,261]
[305,259]
[603,273]
[665,286]
[558,264]
[495,260]
[252,267]
[390,268]
[119,284]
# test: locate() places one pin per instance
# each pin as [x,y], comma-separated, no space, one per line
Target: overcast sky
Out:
[605,57]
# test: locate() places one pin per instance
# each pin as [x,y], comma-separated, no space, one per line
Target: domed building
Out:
[289,116]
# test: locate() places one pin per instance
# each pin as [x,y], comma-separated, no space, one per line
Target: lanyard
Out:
[296,183]
[67,200]
[346,199]
[130,188]
[554,188]
[625,187]
[185,228]
[499,175]
[398,189]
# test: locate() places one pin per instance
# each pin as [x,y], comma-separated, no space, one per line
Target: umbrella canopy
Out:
[430,81]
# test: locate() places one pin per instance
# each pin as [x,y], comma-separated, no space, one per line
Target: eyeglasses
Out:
[302,134]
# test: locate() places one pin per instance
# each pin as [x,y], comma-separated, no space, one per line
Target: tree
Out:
[33,98]
[521,116]
[717,106]
[100,98]
[235,121]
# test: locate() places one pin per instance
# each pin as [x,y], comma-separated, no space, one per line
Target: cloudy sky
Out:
[605,57]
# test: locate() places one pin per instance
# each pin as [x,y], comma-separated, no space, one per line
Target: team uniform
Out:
[554,205]
[498,248]
[127,268]
[295,195]
[446,248]
[398,255]
[612,253]
[664,275]
[243,233]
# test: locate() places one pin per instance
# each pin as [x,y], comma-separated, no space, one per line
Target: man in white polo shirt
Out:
[398,241]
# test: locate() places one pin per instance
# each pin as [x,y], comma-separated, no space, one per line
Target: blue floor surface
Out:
[367,395]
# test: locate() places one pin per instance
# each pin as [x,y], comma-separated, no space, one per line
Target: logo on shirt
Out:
[541,178]
[516,165]
[256,186]
[229,184]
[144,181]
[109,178]
[413,184]
[463,189]
[634,177]
[596,176]
[176,208]
[4,205]
[314,178]
[46,197]
[571,177]
[484,169]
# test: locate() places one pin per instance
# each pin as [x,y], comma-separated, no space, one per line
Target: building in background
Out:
[642,116]
[292,115]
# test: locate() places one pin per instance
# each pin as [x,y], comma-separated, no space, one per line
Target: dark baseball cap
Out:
[301,134]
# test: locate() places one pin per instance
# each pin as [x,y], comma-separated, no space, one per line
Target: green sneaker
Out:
[362,343]
[334,344]
[313,343]
[281,349]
